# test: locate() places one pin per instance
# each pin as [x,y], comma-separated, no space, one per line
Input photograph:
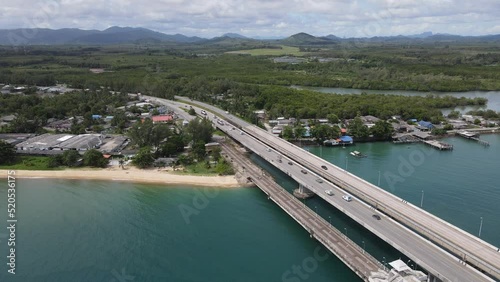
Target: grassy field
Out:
[198,169]
[30,163]
[285,50]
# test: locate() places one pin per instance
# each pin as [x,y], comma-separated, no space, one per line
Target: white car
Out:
[329,192]
[347,198]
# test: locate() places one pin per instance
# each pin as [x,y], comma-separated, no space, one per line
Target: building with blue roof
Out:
[425,125]
[346,140]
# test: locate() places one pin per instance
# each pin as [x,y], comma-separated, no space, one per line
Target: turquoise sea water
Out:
[109,231]
[460,186]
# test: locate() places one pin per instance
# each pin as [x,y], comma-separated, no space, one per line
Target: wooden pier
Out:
[405,139]
[472,136]
[424,136]
[438,145]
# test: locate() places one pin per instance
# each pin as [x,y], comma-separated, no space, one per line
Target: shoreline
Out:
[132,175]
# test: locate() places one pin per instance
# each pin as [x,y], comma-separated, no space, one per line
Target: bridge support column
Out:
[431,278]
[302,192]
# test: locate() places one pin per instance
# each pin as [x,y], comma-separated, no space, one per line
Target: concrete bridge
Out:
[359,261]
[445,251]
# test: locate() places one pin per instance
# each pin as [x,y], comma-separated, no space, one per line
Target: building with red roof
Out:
[162,119]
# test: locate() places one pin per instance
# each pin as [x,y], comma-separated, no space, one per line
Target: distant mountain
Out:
[268,37]
[120,35]
[421,35]
[226,40]
[306,39]
[234,35]
[449,37]
[332,37]
[112,35]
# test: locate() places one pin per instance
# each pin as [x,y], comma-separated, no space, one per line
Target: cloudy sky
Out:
[209,18]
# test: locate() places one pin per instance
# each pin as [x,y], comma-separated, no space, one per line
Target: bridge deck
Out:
[475,251]
[362,263]
[470,248]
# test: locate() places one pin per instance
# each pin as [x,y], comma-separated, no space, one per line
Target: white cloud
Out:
[261,17]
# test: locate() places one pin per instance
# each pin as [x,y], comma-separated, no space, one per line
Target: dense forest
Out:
[243,83]
[303,104]
[133,68]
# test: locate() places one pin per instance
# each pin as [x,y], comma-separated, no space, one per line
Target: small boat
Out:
[331,142]
[358,154]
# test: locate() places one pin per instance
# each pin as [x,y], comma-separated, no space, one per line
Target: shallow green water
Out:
[91,231]
[108,231]
[460,186]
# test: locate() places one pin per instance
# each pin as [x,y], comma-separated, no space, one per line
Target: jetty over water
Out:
[438,145]
[419,136]
[472,136]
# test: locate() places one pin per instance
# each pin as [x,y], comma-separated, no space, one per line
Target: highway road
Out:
[362,263]
[432,259]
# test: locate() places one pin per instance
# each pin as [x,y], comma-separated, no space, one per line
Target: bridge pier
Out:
[431,278]
[302,192]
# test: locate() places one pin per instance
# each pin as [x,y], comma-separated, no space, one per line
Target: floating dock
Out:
[473,136]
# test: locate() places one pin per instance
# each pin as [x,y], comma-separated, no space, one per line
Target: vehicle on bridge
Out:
[347,198]
[319,180]
[376,216]
[303,171]
[203,112]
[324,167]
[329,192]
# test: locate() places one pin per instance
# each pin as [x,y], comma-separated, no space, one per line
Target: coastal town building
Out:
[162,119]
[58,143]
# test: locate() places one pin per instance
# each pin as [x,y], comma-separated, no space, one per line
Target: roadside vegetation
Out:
[29,163]
[10,160]
[165,141]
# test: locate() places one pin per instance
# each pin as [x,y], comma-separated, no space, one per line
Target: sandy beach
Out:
[129,175]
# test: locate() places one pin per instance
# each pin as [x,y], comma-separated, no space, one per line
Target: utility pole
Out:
[422,199]
[480,226]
